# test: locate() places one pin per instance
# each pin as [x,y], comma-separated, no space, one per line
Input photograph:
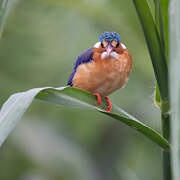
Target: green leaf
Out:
[161,20]
[3,9]
[159,23]
[157,97]
[165,22]
[155,47]
[160,26]
[175,85]
[17,104]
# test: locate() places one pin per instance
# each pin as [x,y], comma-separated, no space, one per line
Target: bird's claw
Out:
[98,98]
[109,104]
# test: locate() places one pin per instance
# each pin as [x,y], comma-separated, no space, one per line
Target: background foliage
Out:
[40,42]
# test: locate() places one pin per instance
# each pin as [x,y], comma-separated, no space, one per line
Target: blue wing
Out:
[84,57]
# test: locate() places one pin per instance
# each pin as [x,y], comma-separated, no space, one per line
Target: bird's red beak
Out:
[109,49]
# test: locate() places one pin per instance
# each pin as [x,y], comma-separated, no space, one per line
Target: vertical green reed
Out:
[174,29]
[156,35]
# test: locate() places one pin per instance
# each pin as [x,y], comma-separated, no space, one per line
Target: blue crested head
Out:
[109,37]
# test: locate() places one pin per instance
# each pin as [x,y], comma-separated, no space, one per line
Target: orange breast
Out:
[103,76]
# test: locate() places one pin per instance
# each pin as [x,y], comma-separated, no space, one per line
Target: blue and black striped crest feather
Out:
[109,37]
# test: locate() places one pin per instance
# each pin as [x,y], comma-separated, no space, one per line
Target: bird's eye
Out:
[114,43]
[105,43]
[102,45]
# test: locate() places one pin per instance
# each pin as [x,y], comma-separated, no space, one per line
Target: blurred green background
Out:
[39,45]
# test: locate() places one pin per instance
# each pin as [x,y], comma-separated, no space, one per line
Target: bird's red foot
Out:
[98,98]
[109,105]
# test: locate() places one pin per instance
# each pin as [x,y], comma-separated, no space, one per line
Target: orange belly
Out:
[103,76]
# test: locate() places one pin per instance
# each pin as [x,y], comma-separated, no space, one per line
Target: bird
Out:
[103,68]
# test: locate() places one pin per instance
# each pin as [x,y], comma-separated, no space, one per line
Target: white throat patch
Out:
[104,55]
[113,54]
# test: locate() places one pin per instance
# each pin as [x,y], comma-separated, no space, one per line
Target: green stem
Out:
[167,174]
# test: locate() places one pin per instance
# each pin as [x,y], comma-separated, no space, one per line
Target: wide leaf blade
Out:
[17,104]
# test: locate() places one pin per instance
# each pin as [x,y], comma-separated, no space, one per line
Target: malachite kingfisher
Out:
[103,68]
